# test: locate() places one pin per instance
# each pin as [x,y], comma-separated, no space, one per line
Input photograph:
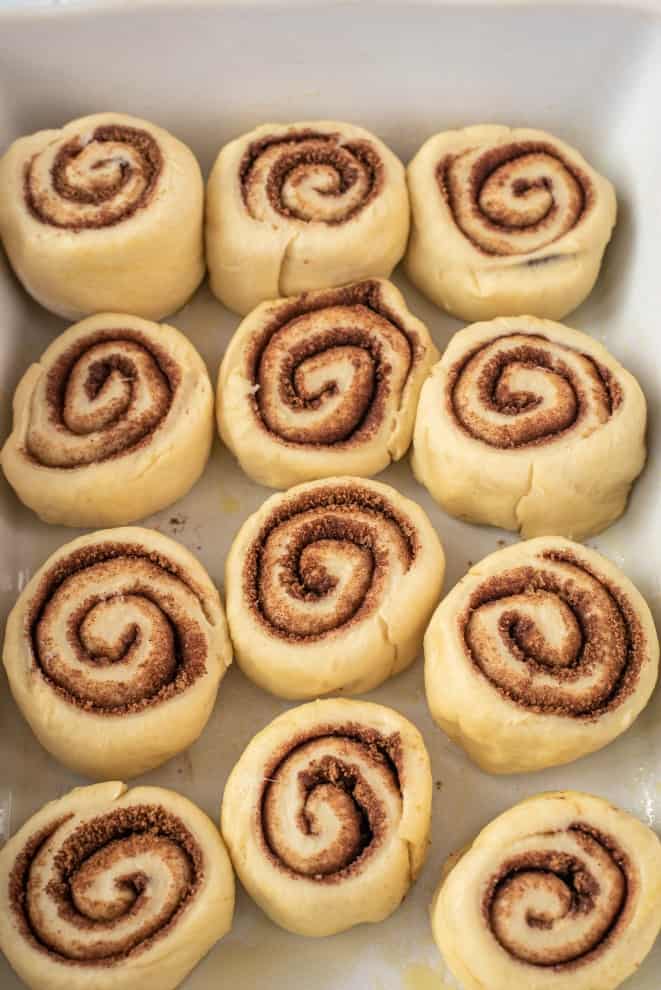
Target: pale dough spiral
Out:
[324,383]
[326,815]
[104,214]
[112,888]
[115,650]
[113,423]
[562,891]
[542,653]
[330,586]
[506,222]
[530,425]
[303,206]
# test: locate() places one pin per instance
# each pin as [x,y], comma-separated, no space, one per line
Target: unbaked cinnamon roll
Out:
[330,587]
[542,653]
[506,222]
[302,206]
[114,651]
[104,214]
[561,892]
[113,423]
[532,426]
[322,384]
[326,815]
[111,889]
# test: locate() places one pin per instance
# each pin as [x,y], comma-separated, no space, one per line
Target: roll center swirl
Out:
[309,177]
[514,199]
[558,897]
[93,180]
[330,802]
[99,889]
[555,638]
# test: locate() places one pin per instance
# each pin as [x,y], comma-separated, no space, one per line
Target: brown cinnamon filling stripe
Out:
[494,165]
[547,426]
[108,834]
[171,675]
[351,517]
[308,148]
[569,881]
[348,427]
[338,782]
[619,625]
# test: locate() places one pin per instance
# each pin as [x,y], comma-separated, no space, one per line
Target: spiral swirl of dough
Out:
[316,809]
[304,206]
[558,892]
[119,631]
[107,884]
[313,575]
[530,425]
[114,423]
[514,198]
[523,389]
[506,222]
[543,652]
[323,384]
[95,179]
[305,176]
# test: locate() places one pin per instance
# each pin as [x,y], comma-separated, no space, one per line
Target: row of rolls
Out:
[326,819]
[523,423]
[110,213]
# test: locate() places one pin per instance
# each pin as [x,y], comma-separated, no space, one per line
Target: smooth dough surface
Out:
[506,222]
[104,214]
[114,651]
[326,383]
[113,889]
[532,426]
[369,802]
[561,892]
[330,587]
[294,207]
[542,653]
[113,423]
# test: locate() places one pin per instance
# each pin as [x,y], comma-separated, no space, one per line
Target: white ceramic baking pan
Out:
[592,75]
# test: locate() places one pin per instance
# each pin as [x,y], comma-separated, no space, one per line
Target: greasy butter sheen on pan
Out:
[506,222]
[113,889]
[532,426]
[104,214]
[295,207]
[322,384]
[326,815]
[113,423]
[561,892]
[330,586]
[542,653]
[114,651]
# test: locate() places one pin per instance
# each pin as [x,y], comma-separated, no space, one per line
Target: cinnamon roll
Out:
[542,653]
[326,815]
[114,651]
[112,889]
[532,426]
[113,423]
[294,207]
[324,383]
[561,892]
[506,222]
[330,587]
[104,214]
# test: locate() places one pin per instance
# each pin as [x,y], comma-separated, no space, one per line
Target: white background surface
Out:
[593,76]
